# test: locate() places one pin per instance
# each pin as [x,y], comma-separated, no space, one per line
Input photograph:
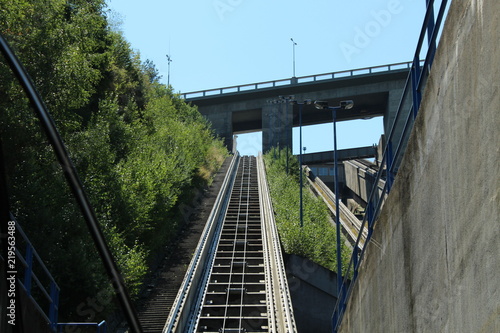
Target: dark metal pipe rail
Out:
[74,182]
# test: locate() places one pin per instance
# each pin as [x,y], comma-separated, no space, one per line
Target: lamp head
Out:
[321,105]
[346,105]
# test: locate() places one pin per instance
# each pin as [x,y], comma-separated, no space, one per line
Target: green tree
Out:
[139,148]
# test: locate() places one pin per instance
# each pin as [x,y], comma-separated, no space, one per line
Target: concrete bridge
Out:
[376,91]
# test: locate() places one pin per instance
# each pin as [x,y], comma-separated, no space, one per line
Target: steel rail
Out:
[284,319]
[234,299]
[349,222]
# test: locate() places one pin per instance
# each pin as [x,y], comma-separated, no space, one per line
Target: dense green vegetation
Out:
[139,149]
[316,240]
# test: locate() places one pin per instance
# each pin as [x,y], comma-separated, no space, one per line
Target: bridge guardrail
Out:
[297,80]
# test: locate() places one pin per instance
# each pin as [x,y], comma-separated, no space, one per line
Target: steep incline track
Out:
[235,297]
[236,281]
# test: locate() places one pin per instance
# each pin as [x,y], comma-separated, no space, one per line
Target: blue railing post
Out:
[415,79]
[29,268]
[430,29]
[370,211]
[54,304]
[355,263]
[389,162]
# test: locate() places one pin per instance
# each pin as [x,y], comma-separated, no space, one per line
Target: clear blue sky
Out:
[218,43]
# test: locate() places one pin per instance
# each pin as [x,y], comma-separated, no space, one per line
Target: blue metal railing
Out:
[391,160]
[39,284]
[41,287]
[298,80]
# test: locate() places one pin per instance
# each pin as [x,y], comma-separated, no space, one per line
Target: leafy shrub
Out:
[316,239]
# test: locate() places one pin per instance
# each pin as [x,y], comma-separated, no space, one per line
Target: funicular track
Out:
[235,297]
[236,281]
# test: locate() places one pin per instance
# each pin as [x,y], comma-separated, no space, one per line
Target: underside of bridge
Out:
[374,94]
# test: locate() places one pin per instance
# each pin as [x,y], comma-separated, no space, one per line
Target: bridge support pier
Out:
[277,126]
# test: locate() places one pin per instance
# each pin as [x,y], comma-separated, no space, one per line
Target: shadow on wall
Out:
[314,293]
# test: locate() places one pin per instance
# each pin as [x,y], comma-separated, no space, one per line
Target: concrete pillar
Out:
[277,126]
[222,124]
[390,120]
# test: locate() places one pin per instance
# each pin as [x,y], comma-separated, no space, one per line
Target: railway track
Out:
[351,225]
[236,281]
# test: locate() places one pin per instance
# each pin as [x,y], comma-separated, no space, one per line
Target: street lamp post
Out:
[301,187]
[344,105]
[293,47]
[301,105]
[300,165]
[286,100]
[169,60]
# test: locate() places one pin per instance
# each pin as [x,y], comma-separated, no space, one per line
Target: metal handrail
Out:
[51,293]
[391,160]
[297,80]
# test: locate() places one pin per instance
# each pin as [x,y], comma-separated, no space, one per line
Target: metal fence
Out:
[36,279]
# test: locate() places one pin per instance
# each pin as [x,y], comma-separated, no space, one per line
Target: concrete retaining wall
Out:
[436,265]
[314,294]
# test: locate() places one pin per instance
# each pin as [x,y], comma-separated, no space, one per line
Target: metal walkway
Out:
[235,298]
[236,281]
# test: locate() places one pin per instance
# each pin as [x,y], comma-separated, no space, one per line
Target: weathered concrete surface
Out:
[436,265]
[314,293]
[276,126]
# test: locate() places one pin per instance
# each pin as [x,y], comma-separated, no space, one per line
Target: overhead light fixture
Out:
[320,105]
[345,105]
